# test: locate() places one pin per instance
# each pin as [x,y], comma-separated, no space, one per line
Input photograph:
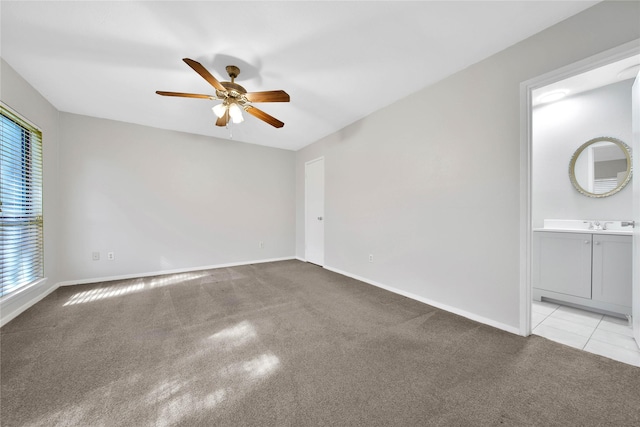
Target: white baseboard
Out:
[162,272]
[301,259]
[14,304]
[445,307]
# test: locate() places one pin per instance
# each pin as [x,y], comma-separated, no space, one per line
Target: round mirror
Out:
[601,167]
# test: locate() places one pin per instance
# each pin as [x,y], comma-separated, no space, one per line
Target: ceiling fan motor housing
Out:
[230,86]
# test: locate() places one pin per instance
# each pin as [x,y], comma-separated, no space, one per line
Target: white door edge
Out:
[635,253]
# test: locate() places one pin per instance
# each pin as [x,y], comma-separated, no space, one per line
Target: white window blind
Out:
[604,185]
[21,241]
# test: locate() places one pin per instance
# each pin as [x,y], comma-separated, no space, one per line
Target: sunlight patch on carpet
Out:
[129,288]
[235,336]
[102,293]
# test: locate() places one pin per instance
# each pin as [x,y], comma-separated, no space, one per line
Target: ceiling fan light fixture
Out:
[236,113]
[219,110]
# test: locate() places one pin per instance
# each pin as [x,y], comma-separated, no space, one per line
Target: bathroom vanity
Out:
[586,267]
[588,263]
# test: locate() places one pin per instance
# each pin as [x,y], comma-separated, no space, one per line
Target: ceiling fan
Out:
[233,96]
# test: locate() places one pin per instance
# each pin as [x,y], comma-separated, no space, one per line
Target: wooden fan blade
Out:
[222,121]
[185,95]
[198,68]
[268,96]
[264,116]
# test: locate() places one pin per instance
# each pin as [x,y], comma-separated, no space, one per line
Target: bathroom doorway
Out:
[551,105]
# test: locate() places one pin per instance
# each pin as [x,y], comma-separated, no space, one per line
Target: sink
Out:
[582,226]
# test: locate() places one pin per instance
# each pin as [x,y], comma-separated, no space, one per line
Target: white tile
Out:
[613,352]
[543,307]
[616,339]
[536,319]
[587,313]
[563,337]
[577,316]
[569,326]
[607,325]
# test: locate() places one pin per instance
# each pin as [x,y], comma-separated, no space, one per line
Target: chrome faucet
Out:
[604,226]
[593,225]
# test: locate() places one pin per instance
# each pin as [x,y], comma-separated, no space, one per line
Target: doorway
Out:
[528,222]
[314,211]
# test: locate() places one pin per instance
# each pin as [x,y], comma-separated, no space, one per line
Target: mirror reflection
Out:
[601,167]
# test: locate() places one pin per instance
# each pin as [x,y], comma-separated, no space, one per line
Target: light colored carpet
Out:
[288,344]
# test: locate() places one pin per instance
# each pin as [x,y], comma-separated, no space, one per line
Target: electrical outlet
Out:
[95,256]
[261,245]
[110,256]
[370,258]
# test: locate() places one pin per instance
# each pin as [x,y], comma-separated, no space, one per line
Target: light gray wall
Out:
[25,100]
[558,130]
[163,200]
[430,184]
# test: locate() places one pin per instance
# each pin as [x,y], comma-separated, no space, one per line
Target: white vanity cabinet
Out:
[588,269]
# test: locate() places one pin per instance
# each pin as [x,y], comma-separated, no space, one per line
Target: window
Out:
[21,241]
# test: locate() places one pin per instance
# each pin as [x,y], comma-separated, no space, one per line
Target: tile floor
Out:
[607,336]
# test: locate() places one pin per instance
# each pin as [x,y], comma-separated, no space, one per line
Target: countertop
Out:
[564,230]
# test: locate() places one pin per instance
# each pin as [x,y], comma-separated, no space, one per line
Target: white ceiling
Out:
[339,61]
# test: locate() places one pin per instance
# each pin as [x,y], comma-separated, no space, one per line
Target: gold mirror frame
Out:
[572,164]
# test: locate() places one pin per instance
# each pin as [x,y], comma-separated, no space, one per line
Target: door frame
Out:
[526,226]
[635,241]
[306,225]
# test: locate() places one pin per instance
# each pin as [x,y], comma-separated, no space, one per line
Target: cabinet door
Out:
[612,269]
[562,263]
